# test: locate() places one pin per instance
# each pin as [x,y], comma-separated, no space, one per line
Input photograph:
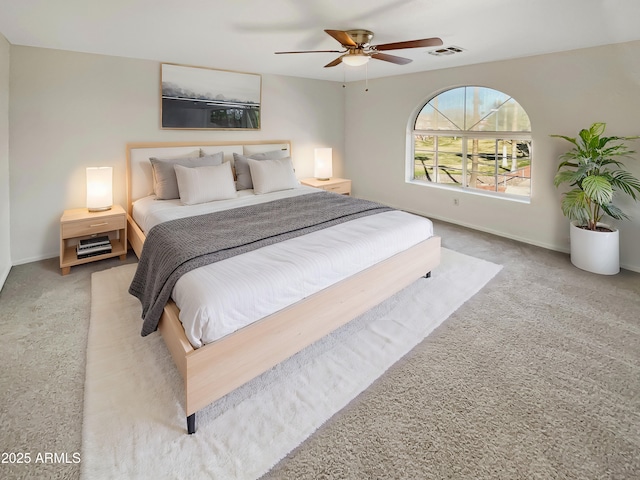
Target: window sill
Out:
[470,191]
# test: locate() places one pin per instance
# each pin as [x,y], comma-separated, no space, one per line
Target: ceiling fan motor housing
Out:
[361,37]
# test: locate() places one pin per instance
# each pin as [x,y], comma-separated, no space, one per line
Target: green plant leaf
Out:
[614,212]
[574,205]
[566,176]
[598,188]
[587,168]
[567,164]
[597,129]
[616,151]
[585,136]
[624,181]
[568,139]
[610,161]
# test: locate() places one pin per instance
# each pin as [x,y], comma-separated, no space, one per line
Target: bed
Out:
[294,291]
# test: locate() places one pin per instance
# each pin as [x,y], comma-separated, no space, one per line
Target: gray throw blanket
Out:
[176,247]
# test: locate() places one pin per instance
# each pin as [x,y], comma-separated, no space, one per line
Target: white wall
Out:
[5,251]
[562,93]
[72,110]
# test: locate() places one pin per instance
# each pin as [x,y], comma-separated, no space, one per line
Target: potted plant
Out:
[594,170]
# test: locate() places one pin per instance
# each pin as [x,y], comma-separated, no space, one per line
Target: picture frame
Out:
[200,98]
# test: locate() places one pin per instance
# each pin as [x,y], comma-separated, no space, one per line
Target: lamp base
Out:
[323,179]
[99,209]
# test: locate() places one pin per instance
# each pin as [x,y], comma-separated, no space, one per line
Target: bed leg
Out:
[191,424]
[427,275]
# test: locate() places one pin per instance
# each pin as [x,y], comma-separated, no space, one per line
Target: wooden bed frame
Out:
[212,371]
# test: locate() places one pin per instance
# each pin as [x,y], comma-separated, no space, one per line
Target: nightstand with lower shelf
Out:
[337,185]
[79,224]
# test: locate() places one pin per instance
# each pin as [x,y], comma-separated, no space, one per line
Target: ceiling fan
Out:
[358,50]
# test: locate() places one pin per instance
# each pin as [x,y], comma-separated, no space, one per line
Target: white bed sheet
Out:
[218,299]
[148,212]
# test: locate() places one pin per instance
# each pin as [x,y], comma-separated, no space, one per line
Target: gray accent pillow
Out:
[241,164]
[165,184]
[272,175]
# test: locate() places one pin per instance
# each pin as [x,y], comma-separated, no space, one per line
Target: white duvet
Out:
[220,298]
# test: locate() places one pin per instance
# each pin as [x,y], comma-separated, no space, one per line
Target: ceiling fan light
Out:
[355,59]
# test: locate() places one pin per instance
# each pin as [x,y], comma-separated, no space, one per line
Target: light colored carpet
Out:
[134,425]
[537,377]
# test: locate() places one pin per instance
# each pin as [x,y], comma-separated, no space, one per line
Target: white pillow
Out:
[205,184]
[272,175]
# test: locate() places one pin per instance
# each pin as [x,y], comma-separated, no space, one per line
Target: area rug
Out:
[134,422]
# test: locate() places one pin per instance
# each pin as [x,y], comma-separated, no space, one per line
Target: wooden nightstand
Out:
[79,224]
[337,185]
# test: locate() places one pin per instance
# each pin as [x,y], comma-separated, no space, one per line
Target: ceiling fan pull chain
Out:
[366,77]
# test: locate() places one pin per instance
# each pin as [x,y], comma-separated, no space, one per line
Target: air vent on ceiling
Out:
[446,51]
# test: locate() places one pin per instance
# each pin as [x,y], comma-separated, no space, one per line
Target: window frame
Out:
[525,136]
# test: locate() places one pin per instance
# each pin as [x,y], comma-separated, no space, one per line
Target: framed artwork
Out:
[204,98]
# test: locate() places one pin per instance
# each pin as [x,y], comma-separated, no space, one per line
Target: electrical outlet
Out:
[456,202]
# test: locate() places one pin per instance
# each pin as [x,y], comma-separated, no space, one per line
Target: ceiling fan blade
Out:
[342,37]
[425,42]
[391,58]
[337,61]
[312,51]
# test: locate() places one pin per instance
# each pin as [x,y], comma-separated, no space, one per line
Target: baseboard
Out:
[497,233]
[632,268]
[3,276]
[37,258]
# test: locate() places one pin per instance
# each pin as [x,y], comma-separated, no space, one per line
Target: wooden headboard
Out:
[140,177]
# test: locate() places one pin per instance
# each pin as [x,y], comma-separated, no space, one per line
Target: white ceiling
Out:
[243,35]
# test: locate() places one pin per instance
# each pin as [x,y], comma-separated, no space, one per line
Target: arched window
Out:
[473,138]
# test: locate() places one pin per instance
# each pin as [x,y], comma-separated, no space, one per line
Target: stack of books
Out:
[93,246]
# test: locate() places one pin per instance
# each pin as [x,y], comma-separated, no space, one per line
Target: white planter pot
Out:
[596,252]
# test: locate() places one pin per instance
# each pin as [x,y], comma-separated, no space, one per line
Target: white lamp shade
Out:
[355,59]
[99,188]
[323,167]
